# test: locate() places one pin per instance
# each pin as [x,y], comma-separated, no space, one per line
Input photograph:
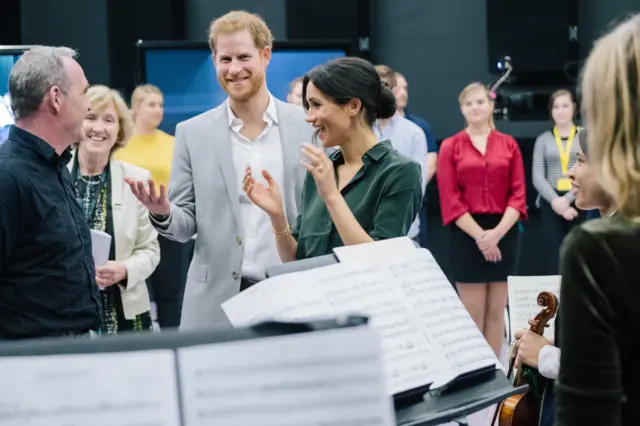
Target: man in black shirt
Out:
[47,273]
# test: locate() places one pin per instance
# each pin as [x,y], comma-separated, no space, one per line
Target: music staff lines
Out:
[326,362]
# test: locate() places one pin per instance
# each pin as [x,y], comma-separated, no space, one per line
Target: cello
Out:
[524,409]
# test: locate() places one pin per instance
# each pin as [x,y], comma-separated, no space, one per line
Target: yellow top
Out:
[151,152]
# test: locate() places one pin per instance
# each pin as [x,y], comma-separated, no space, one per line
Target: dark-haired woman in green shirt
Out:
[363,192]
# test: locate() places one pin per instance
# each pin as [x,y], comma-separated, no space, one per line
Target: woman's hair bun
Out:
[386,107]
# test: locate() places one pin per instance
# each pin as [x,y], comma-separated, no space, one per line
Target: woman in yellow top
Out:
[152,149]
[149,147]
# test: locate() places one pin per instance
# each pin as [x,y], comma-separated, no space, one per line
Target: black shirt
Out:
[599,325]
[385,196]
[47,274]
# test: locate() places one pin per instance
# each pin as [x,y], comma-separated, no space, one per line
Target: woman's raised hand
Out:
[268,198]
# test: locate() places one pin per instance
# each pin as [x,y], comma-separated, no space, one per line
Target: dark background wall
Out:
[79,24]
[200,13]
[440,47]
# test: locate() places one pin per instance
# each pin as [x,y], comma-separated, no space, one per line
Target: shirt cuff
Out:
[549,362]
[160,222]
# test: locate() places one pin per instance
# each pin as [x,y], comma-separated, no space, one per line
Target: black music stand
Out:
[424,407]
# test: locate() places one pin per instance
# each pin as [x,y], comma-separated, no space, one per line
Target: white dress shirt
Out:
[265,153]
[549,362]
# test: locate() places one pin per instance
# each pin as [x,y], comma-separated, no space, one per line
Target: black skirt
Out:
[467,261]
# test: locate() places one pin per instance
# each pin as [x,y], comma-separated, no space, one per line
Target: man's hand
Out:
[154,200]
[527,347]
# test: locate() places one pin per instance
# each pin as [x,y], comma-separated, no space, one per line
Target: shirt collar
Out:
[375,153]
[392,121]
[270,114]
[38,145]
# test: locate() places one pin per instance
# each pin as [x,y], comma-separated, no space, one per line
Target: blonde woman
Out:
[482,196]
[152,149]
[599,319]
[110,207]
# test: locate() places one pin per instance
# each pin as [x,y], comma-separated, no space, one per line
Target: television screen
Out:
[188,79]
[6,116]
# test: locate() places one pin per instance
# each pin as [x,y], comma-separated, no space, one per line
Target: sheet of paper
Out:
[323,378]
[376,252]
[443,316]
[410,358]
[100,247]
[523,301]
[427,334]
[107,389]
[289,297]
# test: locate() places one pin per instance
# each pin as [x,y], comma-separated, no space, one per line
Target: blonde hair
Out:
[611,107]
[100,97]
[387,75]
[140,93]
[472,88]
[240,20]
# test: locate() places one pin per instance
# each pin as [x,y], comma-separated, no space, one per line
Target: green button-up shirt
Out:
[385,196]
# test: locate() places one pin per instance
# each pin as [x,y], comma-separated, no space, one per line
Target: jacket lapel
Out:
[224,155]
[117,186]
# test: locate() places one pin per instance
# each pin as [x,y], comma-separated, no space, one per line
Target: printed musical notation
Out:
[331,377]
[427,334]
[523,301]
[107,389]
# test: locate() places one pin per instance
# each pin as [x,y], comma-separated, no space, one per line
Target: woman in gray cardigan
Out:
[554,154]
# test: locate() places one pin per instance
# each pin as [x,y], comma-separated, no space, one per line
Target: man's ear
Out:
[266,56]
[55,99]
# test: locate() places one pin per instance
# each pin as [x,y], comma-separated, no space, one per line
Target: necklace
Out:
[89,181]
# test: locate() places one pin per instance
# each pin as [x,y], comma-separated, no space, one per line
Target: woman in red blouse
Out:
[482,194]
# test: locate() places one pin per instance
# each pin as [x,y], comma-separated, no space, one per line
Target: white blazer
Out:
[136,241]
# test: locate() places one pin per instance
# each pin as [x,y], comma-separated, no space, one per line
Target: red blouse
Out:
[477,184]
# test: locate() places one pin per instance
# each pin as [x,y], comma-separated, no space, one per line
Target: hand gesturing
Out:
[268,198]
[155,201]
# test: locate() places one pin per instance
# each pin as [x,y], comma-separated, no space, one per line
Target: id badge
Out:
[564,185]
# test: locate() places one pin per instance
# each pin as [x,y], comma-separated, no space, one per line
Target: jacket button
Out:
[239,240]
[235,275]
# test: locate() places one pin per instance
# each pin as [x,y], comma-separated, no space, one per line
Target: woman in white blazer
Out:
[109,207]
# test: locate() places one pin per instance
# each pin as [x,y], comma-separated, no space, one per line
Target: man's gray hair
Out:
[34,74]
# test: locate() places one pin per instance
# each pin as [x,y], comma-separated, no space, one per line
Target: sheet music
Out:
[289,297]
[324,378]
[427,334]
[376,252]
[523,301]
[444,318]
[410,358]
[106,389]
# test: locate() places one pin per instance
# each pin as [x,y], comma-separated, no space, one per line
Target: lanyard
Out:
[564,150]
